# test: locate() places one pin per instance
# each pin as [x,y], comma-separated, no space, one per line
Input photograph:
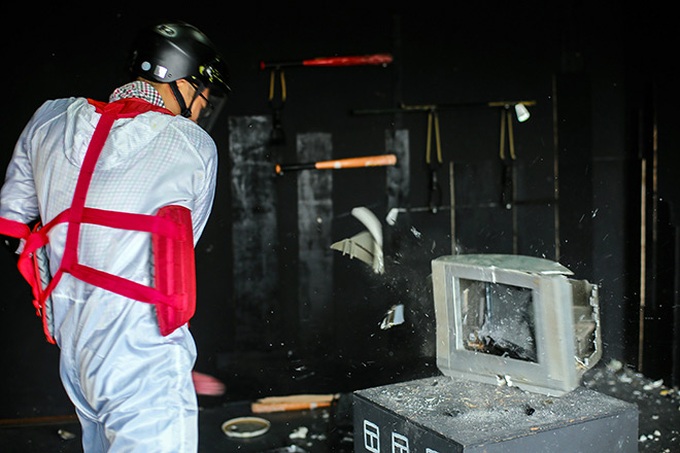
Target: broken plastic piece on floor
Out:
[299,433]
[367,245]
[66,435]
[394,316]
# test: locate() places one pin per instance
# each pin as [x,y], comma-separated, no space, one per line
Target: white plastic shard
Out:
[359,246]
[391,218]
[365,216]
[366,245]
[393,317]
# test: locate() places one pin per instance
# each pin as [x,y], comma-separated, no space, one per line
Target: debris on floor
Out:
[66,435]
[393,317]
[659,419]
[299,433]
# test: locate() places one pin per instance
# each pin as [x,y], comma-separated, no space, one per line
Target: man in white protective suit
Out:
[107,201]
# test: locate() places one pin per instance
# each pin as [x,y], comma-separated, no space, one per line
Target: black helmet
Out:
[169,51]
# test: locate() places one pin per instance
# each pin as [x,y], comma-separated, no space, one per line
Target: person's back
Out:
[149,161]
[126,369]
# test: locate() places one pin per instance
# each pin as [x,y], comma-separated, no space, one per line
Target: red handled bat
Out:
[380,160]
[374,59]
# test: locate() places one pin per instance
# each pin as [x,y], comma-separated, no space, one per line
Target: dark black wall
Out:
[591,73]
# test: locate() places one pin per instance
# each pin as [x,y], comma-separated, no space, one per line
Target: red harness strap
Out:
[18,230]
[172,237]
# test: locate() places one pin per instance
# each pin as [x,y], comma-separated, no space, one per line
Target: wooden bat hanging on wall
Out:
[380,160]
[360,60]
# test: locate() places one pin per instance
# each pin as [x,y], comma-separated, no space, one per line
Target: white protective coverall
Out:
[131,386]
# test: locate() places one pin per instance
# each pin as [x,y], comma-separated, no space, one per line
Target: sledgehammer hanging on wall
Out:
[380,160]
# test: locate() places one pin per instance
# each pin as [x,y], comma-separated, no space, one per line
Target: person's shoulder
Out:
[59,105]
[194,133]
[64,101]
[53,109]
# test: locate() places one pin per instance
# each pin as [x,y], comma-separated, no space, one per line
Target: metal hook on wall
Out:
[277,135]
[435,198]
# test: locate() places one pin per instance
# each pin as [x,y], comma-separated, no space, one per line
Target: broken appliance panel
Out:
[515,320]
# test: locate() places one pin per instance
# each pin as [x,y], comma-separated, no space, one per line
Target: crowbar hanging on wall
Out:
[508,191]
[435,198]
[277,135]
[507,195]
[520,107]
[435,191]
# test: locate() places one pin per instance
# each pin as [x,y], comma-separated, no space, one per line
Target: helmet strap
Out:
[184,110]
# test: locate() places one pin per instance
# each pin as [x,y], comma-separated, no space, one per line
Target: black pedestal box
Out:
[444,415]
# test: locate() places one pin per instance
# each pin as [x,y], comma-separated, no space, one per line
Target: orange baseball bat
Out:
[380,160]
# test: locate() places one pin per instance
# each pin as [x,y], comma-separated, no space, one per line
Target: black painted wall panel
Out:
[257,308]
[477,55]
[315,214]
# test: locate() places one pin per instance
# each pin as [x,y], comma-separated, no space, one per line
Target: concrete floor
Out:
[329,430]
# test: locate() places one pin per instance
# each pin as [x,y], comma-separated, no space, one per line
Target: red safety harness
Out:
[174,291]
